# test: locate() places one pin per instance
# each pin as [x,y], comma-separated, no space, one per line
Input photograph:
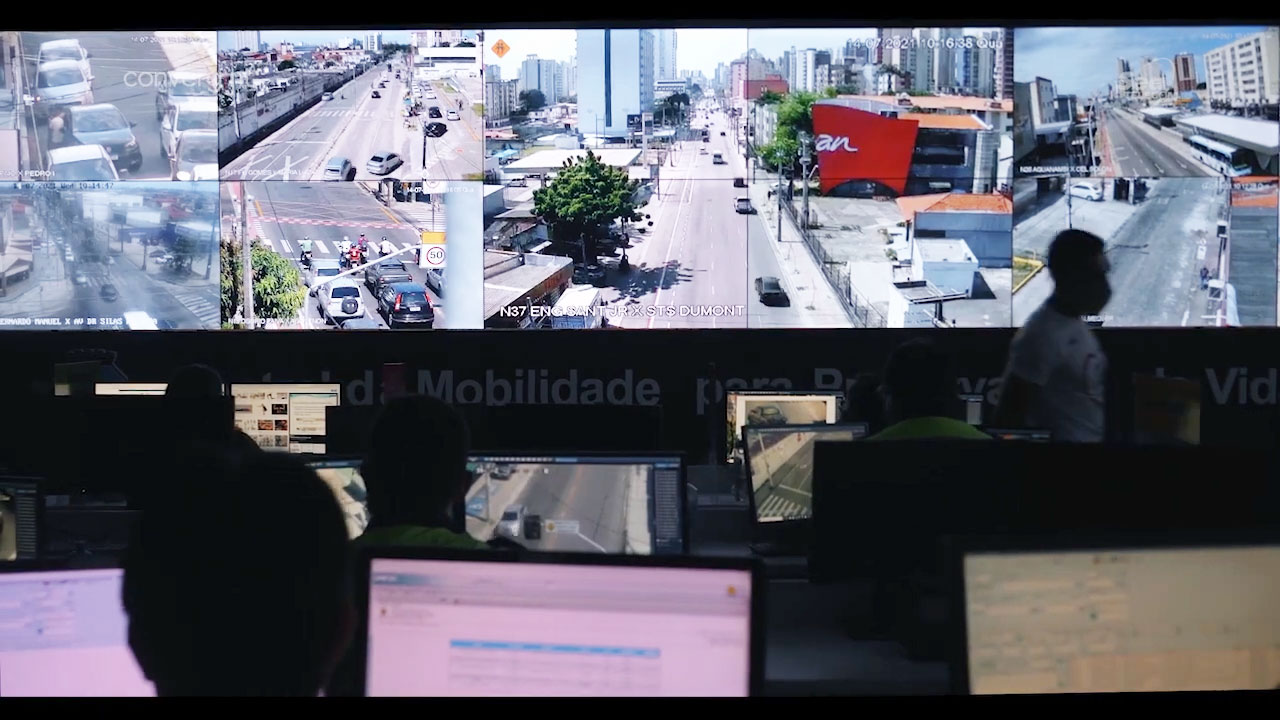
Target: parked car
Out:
[81,163]
[195,157]
[103,124]
[191,114]
[766,415]
[771,292]
[339,300]
[383,163]
[61,83]
[65,49]
[339,168]
[405,303]
[180,86]
[1085,190]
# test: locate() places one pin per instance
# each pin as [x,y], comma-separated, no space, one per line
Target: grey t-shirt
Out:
[1060,355]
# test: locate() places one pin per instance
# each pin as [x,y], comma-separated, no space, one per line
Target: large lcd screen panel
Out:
[594,504]
[351,104]
[110,106]
[1123,620]
[285,417]
[66,635]
[554,629]
[109,256]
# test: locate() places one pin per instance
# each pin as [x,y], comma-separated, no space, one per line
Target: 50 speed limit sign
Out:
[434,256]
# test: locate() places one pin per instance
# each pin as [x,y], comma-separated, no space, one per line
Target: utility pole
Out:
[778,157]
[246,259]
[213,243]
[803,137]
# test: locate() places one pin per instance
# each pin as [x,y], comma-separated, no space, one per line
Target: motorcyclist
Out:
[355,255]
[305,255]
[387,248]
[364,242]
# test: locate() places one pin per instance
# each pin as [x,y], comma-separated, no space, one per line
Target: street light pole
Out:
[778,156]
[246,259]
[803,137]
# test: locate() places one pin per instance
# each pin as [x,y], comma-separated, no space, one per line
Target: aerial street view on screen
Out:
[774,410]
[107,106]
[1147,102]
[782,469]
[350,104]
[351,255]
[578,507]
[109,256]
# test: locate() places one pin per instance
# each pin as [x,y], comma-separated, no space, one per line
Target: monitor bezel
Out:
[460,507]
[757,619]
[231,395]
[956,548]
[746,461]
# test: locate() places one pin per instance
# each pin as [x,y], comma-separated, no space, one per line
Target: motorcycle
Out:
[306,259]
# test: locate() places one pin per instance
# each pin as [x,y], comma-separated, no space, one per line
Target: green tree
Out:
[795,114]
[531,100]
[848,89]
[285,65]
[769,97]
[584,200]
[830,91]
[465,43]
[277,288]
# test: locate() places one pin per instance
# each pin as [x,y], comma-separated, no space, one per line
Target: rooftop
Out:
[507,281]
[944,102]
[953,202]
[952,122]
[945,250]
[1264,134]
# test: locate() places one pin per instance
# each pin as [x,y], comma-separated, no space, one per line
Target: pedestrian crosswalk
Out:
[776,506]
[203,303]
[319,248]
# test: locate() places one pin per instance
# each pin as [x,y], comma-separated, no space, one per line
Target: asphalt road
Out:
[593,496]
[355,125]
[285,213]
[112,56]
[691,266]
[1155,260]
[1137,151]
[784,489]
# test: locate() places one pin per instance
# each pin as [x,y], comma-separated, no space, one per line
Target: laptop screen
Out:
[617,504]
[65,634]
[473,628]
[1123,620]
[342,475]
[286,417]
[780,463]
[19,519]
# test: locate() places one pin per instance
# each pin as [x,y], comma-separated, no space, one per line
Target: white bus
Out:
[1224,158]
[138,320]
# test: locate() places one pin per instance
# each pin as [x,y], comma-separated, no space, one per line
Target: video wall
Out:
[664,178]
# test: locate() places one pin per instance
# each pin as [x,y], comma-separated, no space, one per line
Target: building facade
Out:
[1246,70]
[615,79]
[665,50]
[1184,72]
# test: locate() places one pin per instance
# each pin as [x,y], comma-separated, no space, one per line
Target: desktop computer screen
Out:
[1123,620]
[130,389]
[1025,434]
[285,417]
[19,519]
[780,466]
[617,504]
[342,475]
[440,628]
[776,408]
[64,633]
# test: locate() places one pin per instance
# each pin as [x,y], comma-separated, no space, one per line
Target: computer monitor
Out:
[19,519]
[1085,616]
[776,408]
[286,417]
[130,388]
[64,633]
[1024,434]
[779,462]
[342,475]
[459,623]
[623,504]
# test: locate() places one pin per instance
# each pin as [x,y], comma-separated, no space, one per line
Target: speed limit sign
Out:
[434,256]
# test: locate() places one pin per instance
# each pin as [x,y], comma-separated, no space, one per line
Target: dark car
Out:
[589,275]
[721,133]
[109,293]
[740,182]
[771,292]
[500,472]
[390,271]
[405,303]
[103,124]
[766,415]
[707,138]
[533,527]
[434,112]
[435,129]
[377,94]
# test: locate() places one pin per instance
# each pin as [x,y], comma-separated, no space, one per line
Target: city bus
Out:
[1224,158]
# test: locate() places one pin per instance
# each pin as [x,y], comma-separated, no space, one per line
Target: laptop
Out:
[21,510]
[1119,613]
[65,634]
[617,503]
[486,624]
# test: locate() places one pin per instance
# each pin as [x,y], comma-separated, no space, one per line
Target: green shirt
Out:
[930,428]
[418,536]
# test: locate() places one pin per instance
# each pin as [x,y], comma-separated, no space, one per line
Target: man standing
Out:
[56,126]
[1056,376]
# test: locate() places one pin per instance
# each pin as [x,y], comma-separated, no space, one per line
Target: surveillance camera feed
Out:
[109,256]
[1123,620]
[776,408]
[351,104]
[343,477]
[1165,143]
[601,504]
[780,465]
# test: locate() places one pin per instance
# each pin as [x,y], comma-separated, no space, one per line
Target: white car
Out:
[1088,191]
[383,163]
[67,49]
[61,82]
[340,300]
[195,156]
[182,86]
[81,163]
[197,113]
[453,115]
[512,521]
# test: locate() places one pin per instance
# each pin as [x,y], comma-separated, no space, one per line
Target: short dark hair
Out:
[918,378]
[416,459]
[235,580]
[1074,253]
